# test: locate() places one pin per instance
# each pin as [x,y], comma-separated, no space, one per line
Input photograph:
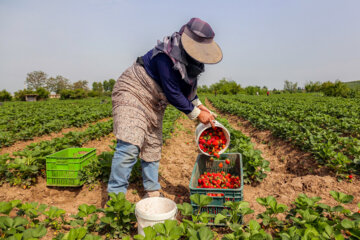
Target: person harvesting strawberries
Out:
[168,73]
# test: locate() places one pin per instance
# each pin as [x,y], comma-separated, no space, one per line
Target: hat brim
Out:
[204,52]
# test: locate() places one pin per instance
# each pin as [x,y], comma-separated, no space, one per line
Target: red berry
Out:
[220,165]
[350,176]
[227,161]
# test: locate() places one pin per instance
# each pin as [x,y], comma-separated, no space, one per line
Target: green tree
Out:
[225,87]
[313,86]
[97,87]
[42,93]
[105,85]
[57,84]
[35,80]
[81,84]
[73,94]
[5,96]
[203,89]
[290,86]
[111,84]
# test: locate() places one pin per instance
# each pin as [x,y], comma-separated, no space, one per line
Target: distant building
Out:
[30,97]
[54,96]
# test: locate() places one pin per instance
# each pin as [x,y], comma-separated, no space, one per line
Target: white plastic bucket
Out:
[202,127]
[150,211]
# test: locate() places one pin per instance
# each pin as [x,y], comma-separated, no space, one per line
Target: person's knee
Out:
[127,152]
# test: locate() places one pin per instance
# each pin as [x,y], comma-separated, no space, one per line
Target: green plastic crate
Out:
[63,167]
[204,164]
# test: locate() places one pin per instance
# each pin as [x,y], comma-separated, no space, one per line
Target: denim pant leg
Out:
[150,174]
[124,159]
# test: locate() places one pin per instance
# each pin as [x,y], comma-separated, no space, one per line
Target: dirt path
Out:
[20,145]
[292,171]
[177,161]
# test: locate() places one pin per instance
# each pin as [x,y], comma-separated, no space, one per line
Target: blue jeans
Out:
[124,159]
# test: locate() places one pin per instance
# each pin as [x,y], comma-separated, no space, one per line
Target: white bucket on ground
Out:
[202,127]
[150,211]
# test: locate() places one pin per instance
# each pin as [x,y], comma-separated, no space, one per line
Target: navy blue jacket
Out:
[176,90]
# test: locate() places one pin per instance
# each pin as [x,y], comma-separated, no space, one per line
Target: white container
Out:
[202,127]
[152,210]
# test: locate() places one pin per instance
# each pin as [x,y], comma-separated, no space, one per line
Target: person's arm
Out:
[196,101]
[170,81]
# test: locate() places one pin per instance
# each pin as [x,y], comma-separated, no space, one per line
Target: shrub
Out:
[5,96]
[42,93]
[73,94]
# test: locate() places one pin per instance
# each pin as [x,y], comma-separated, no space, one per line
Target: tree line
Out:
[334,89]
[38,82]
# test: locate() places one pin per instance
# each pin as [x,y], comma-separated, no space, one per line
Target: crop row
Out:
[338,115]
[25,120]
[341,153]
[307,218]
[254,165]
[27,164]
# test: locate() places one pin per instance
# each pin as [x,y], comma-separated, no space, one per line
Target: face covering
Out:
[193,68]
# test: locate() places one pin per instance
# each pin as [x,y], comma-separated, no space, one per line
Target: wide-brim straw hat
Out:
[197,39]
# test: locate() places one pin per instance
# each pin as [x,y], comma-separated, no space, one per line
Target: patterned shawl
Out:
[171,46]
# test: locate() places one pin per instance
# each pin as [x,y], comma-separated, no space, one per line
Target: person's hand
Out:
[206,117]
[203,108]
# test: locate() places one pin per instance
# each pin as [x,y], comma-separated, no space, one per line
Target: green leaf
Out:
[139,237]
[160,228]
[342,197]
[169,225]
[186,209]
[106,220]
[338,208]
[219,217]
[176,232]
[254,225]
[346,223]
[150,233]
[81,232]
[5,207]
[19,221]
[201,200]
[205,234]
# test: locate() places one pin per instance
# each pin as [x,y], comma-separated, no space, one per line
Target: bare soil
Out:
[20,145]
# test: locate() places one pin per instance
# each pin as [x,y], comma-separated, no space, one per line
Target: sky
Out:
[264,42]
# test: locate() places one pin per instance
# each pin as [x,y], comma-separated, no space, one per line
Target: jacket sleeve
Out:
[170,82]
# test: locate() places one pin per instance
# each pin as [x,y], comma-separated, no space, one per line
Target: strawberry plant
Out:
[25,120]
[327,127]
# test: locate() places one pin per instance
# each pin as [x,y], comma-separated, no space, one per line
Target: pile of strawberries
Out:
[215,194]
[218,180]
[212,141]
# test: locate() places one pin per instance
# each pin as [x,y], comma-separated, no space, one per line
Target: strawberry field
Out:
[300,157]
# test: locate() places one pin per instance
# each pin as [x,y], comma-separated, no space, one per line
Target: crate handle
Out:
[62,161]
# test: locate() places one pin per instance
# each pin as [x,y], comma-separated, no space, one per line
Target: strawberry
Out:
[221,165]
[350,176]
[227,161]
